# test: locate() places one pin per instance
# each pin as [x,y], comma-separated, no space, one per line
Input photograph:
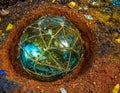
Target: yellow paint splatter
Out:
[117,40]
[72,4]
[53,1]
[3,34]
[9,27]
[116,88]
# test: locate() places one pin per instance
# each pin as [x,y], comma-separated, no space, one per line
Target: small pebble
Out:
[77,83]
[3,37]
[81,84]
[94,83]
[95,4]
[29,81]
[85,8]
[38,87]
[94,66]
[89,17]
[107,10]
[115,77]
[63,90]
[79,9]
[4,12]
[119,30]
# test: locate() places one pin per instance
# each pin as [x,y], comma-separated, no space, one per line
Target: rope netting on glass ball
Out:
[50,48]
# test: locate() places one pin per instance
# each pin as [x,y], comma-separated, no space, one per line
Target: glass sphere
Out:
[50,48]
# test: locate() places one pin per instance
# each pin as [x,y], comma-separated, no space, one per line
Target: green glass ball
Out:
[50,48]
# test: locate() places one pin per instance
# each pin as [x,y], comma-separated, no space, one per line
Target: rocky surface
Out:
[99,75]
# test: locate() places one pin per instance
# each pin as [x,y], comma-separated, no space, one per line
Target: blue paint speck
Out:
[7,86]
[3,73]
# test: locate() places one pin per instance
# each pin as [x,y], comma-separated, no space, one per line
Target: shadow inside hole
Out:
[17,66]
[89,52]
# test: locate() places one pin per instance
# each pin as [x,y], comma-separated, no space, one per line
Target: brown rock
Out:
[4,12]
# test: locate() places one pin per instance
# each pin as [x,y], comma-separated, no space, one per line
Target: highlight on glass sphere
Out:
[50,48]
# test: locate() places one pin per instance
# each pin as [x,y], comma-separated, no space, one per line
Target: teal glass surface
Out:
[50,48]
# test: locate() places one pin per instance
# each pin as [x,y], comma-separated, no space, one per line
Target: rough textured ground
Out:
[100,71]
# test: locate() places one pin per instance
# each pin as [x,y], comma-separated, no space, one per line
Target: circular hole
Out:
[11,44]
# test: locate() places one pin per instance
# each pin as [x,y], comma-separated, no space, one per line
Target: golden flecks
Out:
[9,27]
[116,88]
[53,1]
[3,34]
[72,4]
[117,40]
